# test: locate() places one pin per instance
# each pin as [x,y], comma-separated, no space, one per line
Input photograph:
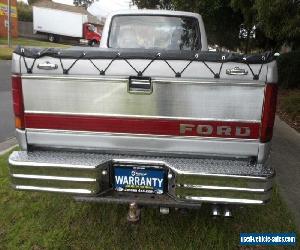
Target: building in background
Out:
[4,18]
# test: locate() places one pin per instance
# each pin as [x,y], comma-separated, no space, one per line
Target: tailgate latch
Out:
[140,85]
[236,71]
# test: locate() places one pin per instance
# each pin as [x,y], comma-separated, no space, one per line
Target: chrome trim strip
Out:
[131,161]
[264,150]
[213,83]
[151,162]
[77,132]
[49,189]
[21,138]
[40,164]
[48,177]
[82,78]
[139,116]
[22,158]
[133,143]
[205,187]
[223,200]
[154,80]
[259,178]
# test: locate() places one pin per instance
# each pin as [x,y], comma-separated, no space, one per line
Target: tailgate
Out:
[105,105]
[191,114]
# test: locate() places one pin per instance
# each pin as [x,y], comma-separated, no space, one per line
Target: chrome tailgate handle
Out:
[236,71]
[47,66]
[139,85]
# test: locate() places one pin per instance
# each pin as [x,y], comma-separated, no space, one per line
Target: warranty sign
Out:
[139,180]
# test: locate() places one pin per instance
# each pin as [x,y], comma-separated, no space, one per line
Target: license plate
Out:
[139,180]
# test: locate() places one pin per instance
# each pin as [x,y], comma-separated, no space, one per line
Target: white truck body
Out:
[58,22]
[203,120]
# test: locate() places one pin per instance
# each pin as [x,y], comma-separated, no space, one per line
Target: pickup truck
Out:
[151,117]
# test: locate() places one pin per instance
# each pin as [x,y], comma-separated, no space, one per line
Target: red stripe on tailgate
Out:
[151,126]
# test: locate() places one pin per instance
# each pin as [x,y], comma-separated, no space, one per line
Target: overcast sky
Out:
[121,3]
[102,8]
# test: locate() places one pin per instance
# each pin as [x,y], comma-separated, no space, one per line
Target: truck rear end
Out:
[153,127]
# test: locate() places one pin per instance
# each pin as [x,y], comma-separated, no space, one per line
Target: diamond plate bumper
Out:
[193,181]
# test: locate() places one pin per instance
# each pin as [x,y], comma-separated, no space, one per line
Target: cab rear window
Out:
[154,32]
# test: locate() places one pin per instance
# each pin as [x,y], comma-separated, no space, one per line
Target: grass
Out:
[5,52]
[49,221]
[289,107]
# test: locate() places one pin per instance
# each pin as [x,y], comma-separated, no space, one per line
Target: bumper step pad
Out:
[194,180]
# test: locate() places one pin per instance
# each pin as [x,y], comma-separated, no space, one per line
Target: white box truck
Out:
[60,23]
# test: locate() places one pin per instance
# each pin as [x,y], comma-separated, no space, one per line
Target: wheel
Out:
[92,43]
[51,38]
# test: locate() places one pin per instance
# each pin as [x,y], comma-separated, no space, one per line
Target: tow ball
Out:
[134,213]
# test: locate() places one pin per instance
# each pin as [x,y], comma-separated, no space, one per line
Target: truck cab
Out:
[90,33]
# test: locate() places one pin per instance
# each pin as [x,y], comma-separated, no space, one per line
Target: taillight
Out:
[268,114]
[18,103]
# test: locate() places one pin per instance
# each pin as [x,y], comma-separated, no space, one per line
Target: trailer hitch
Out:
[134,213]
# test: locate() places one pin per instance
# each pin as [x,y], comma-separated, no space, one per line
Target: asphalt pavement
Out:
[6,109]
[286,161]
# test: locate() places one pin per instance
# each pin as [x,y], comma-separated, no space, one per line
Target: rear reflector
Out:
[269,110]
[18,104]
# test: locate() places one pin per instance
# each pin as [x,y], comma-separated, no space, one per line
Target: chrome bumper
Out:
[192,181]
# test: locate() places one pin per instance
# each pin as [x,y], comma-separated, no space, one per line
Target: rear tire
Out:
[92,43]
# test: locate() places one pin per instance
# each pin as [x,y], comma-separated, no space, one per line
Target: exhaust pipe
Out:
[215,212]
[164,210]
[227,213]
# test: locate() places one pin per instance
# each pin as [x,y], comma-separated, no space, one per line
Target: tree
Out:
[153,4]
[221,21]
[277,21]
[24,12]
[83,3]
[31,2]
[280,21]
[248,11]
[218,17]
